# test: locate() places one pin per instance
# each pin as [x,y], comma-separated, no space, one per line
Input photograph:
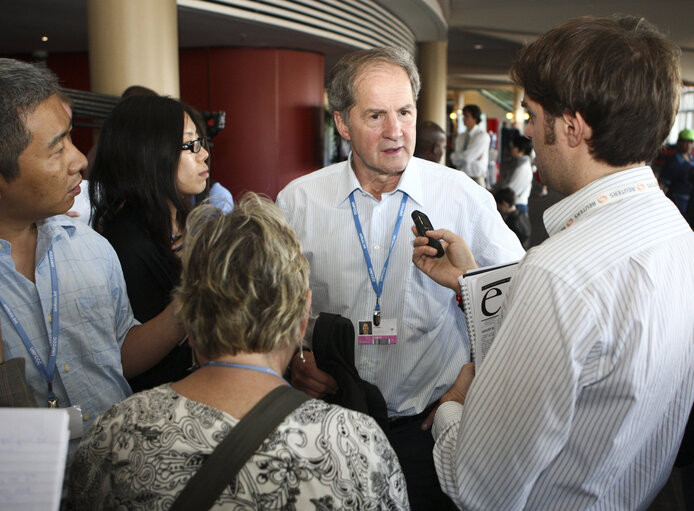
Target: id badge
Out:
[384,334]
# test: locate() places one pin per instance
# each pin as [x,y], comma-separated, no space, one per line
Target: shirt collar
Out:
[54,226]
[410,182]
[49,228]
[591,197]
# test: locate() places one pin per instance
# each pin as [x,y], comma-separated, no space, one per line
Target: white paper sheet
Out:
[33,449]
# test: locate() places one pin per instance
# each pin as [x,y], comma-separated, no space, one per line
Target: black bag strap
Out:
[238,446]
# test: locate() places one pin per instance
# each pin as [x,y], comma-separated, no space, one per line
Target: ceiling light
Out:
[44,38]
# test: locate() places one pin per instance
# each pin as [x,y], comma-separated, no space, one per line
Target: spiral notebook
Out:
[483,291]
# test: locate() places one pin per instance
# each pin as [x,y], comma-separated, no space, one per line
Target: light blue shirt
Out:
[432,341]
[95,316]
[221,198]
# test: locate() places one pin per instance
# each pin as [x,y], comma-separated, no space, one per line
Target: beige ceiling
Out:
[483,35]
[509,23]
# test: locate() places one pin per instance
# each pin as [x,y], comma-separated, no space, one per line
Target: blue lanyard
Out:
[260,369]
[377,285]
[47,371]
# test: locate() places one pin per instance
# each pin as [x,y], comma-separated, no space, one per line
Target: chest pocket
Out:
[426,304]
[92,333]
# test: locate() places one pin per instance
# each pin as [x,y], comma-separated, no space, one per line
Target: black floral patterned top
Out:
[142,452]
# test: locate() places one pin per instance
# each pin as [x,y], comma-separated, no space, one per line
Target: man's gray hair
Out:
[342,77]
[23,87]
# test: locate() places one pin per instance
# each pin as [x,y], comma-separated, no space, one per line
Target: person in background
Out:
[364,272]
[214,192]
[149,162]
[471,154]
[63,302]
[583,397]
[689,212]
[520,178]
[677,171]
[220,197]
[516,220]
[244,300]
[431,141]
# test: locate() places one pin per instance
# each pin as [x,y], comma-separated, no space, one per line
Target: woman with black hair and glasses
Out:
[150,161]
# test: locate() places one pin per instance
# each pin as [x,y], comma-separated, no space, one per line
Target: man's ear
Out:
[342,127]
[576,129]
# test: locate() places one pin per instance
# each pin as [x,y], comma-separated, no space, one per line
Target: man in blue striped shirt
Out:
[63,302]
[582,400]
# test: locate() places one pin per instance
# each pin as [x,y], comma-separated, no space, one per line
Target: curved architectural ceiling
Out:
[356,24]
[482,36]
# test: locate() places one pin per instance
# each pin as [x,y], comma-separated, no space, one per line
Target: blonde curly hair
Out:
[245,282]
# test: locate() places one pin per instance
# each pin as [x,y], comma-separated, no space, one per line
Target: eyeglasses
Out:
[193,145]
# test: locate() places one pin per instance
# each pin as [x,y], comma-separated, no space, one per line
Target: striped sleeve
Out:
[518,412]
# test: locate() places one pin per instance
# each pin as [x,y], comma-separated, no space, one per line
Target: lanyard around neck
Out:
[47,370]
[605,197]
[377,285]
[260,369]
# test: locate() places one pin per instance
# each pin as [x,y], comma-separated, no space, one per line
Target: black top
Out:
[333,349]
[150,277]
[519,223]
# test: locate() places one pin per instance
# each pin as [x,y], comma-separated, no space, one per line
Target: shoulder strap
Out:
[238,446]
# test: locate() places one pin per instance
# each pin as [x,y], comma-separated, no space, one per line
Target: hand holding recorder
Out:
[446,265]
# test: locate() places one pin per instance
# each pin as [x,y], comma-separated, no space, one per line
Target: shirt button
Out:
[85,416]
[67,368]
[377,247]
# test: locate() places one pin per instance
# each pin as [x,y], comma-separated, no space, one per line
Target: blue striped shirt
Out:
[95,317]
[432,340]
[583,398]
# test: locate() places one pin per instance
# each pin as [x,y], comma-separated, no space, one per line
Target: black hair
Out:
[474,111]
[136,165]
[523,144]
[506,195]
[619,73]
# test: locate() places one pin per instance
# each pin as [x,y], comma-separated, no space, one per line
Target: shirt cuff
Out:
[446,416]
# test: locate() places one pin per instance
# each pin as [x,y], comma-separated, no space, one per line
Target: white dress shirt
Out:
[432,342]
[82,205]
[583,398]
[521,180]
[473,159]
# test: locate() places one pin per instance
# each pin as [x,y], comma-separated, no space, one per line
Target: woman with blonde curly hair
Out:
[244,301]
